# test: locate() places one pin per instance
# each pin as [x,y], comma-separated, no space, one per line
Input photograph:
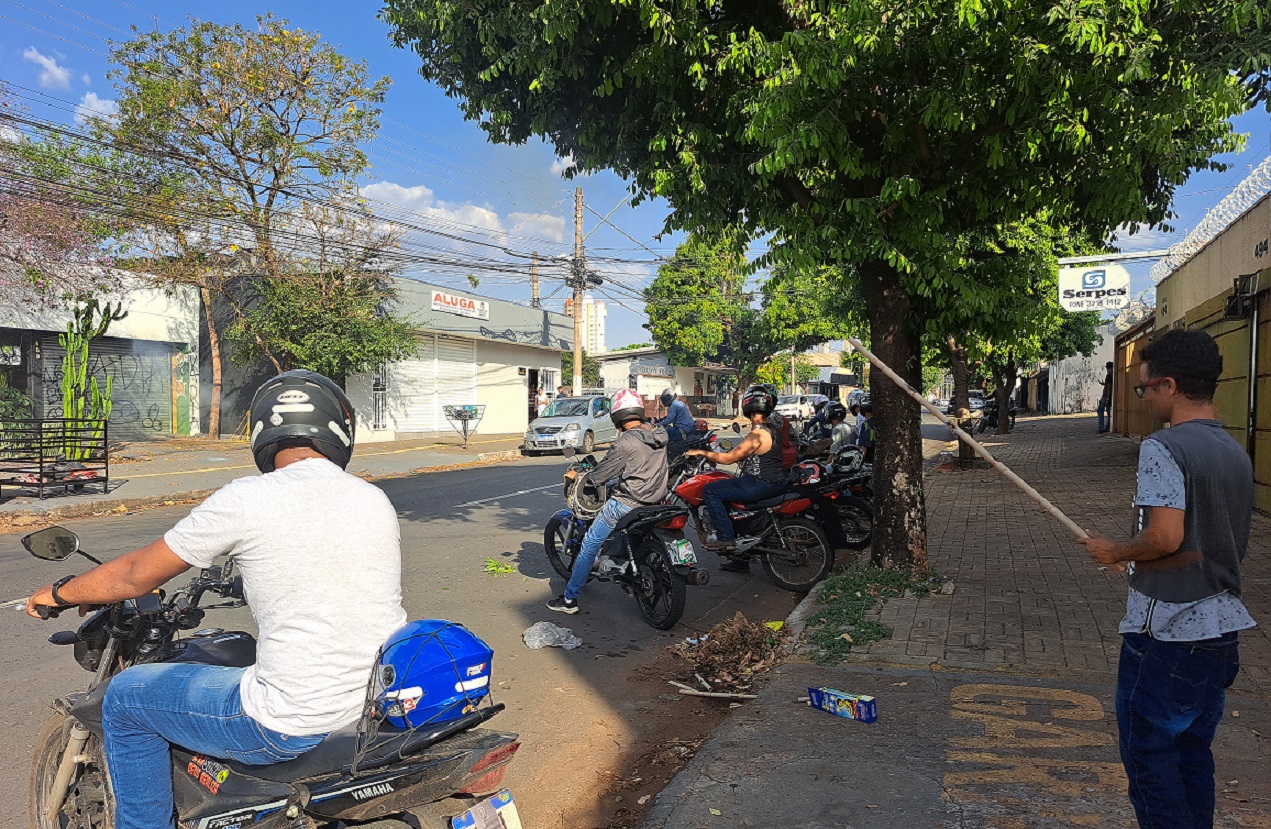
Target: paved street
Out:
[576,710]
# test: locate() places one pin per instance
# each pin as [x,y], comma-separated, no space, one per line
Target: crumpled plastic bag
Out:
[547,635]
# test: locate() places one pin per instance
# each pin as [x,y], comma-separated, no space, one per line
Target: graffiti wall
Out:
[141,375]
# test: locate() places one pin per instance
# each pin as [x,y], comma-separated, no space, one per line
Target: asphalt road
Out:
[575,710]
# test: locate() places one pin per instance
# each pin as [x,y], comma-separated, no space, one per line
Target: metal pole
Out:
[579,277]
[793,388]
[970,441]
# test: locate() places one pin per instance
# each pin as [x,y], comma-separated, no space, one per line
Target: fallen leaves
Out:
[732,654]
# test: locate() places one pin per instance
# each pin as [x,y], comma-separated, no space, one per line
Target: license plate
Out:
[496,812]
[681,550]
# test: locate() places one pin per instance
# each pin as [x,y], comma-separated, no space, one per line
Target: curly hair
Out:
[1190,358]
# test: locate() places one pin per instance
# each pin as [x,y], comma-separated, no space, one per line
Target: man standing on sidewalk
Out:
[1105,400]
[1179,650]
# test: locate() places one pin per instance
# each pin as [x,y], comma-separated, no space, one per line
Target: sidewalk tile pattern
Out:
[1026,595]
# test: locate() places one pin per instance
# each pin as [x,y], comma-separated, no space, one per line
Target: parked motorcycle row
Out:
[651,559]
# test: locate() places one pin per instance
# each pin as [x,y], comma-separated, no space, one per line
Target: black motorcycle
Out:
[422,777]
[988,417]
[646,555]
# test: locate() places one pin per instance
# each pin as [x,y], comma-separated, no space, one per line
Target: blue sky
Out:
[431,161]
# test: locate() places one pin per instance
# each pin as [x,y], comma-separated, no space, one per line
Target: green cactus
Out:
[82,396]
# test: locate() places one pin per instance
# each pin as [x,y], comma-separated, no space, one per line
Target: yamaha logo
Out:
[377,790]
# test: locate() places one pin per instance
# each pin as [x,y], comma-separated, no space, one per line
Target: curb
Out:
[797,621]
[506,455]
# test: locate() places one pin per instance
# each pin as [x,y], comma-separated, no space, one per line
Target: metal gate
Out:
[141,371]
[443,372]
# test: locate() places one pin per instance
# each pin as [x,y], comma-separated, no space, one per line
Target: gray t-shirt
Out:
[1161,484]
[320,555]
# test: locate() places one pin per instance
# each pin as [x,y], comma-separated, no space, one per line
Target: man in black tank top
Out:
[763,475]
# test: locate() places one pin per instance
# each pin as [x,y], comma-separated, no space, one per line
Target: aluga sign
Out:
[1094,288]
[460,305]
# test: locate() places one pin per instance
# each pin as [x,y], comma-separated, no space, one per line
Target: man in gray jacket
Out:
[637,460]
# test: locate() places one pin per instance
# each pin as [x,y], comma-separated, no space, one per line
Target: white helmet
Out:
[626,405]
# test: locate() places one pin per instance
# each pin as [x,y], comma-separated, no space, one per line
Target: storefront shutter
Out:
[141,371]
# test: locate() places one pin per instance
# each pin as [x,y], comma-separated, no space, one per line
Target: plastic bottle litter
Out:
[547,635]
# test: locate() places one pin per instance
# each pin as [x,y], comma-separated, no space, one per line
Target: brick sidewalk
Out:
[1027,597]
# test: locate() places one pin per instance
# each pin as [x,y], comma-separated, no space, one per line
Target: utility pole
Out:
[534,279]
[794,389]
[579,279]
[579,276]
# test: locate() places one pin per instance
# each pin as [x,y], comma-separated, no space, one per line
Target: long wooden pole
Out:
[970,441]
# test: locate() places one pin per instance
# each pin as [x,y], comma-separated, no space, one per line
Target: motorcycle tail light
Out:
[487,774]
[676,523]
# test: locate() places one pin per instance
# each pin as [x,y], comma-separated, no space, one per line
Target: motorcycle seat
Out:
[776,500]
[642,513]
[336,751]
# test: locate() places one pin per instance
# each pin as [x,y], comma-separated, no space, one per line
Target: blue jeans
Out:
[1105,421]
[147,707]
[744,489]
[596,535]
[1170,698]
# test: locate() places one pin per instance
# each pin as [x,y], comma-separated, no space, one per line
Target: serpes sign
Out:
[460,305]
[1094,288]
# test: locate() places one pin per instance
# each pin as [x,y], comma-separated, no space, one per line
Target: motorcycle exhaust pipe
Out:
[699,578]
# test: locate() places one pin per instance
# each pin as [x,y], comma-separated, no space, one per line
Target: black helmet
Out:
[835,410]
[758,400]
[668,397]
[301,406]
[626,405]
[821,404]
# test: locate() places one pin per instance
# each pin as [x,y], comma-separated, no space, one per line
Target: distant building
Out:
[593,319]
[708,390]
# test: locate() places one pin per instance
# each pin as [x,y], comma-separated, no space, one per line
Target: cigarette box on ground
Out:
[851,706]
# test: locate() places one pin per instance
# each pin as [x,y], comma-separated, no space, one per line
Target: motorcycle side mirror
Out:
[569,451]
[52,544]
[736,427]
[726,445]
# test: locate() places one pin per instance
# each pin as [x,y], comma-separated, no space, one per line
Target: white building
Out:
[593,320]
[472,350]
[1075,381]
[708,390]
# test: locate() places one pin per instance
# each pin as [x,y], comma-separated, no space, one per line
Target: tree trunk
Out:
[214,349]
[900,513]
[962,400]
[1005,388]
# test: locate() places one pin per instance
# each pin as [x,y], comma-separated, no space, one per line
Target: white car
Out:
[796,406]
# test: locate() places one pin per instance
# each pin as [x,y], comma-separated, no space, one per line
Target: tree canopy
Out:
[867,135]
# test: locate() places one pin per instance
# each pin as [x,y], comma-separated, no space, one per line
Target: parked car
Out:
[796,406]
[975,402]
[857,397]
[580,422]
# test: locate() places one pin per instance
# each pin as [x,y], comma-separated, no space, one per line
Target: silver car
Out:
[580,422]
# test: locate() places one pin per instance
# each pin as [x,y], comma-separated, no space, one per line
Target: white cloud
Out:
[91,106]
[9,135]
[52,74]
[545,226]
[1145,239]
[560,165]
[87,79]
[472,218]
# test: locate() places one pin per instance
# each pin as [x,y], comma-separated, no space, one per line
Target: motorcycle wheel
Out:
[554,544]
[87,801]
[805,559]
[857,517]
[660,594]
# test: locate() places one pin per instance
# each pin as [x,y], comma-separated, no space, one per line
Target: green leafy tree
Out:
[632,347]
[245,130]
[868,135]
[591,369]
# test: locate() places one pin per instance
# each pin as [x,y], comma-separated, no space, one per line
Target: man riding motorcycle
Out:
[318,638]
[763,474]
[679,420]
[637,460]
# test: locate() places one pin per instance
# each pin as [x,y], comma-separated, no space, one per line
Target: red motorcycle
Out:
[779,531]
